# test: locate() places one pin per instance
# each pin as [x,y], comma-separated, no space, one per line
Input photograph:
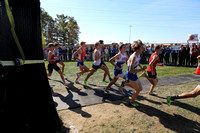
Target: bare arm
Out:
[132,64]
[96,55]
[117,56]
[198,57]
[76,53]
[160,64]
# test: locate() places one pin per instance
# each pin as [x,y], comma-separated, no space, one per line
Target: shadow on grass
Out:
[184,106]
[73,105]
[105,97]
[72,88]
[174,122]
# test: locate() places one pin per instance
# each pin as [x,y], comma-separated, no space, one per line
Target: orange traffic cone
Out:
[198,69]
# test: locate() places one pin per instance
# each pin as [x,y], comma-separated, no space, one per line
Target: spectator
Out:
[181,54]
[150,51]
[167,54]
[175,49]
[61,52]
[113,51]
[109,52]
[106,52]
[65,53]
[46,50]
[162,53]
[194,54]
[70,53]
[90,52]
[187,55]
[143,56]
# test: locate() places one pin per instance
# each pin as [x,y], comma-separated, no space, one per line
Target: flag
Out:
[193,37]
[43,41]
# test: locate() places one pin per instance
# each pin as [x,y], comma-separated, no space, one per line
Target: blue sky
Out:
[153,21]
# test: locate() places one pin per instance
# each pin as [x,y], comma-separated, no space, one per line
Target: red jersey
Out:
[82,55]
[154,64]
[52,57]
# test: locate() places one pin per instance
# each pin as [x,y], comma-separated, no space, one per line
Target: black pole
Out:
[26,103]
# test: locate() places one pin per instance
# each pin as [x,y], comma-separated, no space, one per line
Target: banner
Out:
[193,37]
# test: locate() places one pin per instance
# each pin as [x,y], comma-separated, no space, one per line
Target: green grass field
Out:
[71,69]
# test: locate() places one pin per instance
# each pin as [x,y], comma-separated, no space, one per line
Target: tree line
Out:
[63,29]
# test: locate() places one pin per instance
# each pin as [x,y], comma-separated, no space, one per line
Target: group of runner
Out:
[130,78]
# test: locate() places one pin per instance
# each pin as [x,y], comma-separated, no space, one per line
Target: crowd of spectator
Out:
[174,54]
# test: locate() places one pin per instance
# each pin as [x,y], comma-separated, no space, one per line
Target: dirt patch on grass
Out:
[153,115]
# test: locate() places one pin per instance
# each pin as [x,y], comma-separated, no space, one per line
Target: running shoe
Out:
[169,101]
[153,94]
[66,84]
[110,79]
[133,104]
[106,81]
[77,82]
[85,82]
[121,90]
[106,90]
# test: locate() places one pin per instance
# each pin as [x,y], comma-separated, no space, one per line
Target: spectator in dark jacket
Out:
[182,55]
[167,54]
[187,55]
[162,54]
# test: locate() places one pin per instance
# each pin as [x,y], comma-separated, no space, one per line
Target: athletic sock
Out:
[174,97]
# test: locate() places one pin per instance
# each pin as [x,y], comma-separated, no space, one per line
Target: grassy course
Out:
[153,115]
[71,69]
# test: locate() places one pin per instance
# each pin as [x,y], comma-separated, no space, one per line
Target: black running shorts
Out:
[53,66]
[152,76]
[96,67]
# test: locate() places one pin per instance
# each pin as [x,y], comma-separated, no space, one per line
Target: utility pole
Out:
[130,34]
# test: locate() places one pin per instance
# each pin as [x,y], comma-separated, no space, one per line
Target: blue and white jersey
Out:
[120,62]
[133,76]
[137,61]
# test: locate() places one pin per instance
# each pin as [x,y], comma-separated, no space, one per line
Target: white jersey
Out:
[120,62]
[137,61]
[98,62]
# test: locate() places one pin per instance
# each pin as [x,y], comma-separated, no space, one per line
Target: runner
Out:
[131,74]
[52,63]
[120,59]
[80,61]
[104,67]
[57,54]
[191,94]
[152,75]
[97,61]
